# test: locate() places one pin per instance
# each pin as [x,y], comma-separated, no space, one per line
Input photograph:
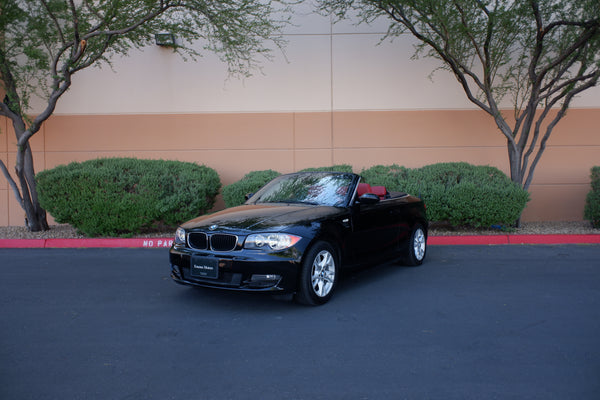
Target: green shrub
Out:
[592,203]
[459,193]
[335,168]
[125,196]
[235,193]
[393,177]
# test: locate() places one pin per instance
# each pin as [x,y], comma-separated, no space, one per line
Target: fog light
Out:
[265,277]
[175,271]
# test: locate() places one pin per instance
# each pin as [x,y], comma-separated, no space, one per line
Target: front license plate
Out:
[204,267]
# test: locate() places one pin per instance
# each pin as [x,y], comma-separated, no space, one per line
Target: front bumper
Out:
[246,270]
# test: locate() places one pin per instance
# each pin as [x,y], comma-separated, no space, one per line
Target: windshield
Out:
[324,189]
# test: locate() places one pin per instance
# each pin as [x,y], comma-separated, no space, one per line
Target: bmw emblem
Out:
[213,227]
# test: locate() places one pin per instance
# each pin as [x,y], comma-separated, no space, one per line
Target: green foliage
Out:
[592,203]
[393,177]
[333,168]
[235,193]
[595,179]
[458,193]
[126,196]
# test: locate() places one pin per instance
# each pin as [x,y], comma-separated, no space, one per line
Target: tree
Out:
[45,42]
[538,55]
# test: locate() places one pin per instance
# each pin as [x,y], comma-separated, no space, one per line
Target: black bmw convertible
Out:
[296,233]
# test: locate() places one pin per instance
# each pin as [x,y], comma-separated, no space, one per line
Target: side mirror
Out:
[248,195]
[368,198]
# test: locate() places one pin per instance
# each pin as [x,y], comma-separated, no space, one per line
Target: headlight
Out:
[180,236]
[272,241]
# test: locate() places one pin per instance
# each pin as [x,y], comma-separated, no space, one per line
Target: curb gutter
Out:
[153,243]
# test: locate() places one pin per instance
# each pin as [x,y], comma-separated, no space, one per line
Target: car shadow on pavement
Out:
[219,298]
[351,282]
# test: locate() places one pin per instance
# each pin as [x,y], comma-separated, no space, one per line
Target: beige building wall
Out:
[337,95]
[235,144]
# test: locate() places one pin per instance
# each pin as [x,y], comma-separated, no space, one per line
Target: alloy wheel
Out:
[323,273]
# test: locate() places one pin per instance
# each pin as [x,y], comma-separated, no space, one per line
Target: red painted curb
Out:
[467,239]
[87,243]
[108,242]
[167,242]
[553,239]
[22,243]
[514,239]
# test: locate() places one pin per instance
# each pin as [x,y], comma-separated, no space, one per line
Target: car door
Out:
[375,229]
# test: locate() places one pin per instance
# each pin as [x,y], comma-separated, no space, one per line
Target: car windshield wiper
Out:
[312,203]
[287,201]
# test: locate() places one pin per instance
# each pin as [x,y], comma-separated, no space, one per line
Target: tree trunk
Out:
[516,174]
[25,188]
[514,158]
[35,215]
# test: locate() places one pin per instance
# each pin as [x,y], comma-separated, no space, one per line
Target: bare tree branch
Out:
[560,114]
[540,53]
[11,182]
[55,21]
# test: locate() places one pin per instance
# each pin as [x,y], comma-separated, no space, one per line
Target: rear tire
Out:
[416,247]
[319,275]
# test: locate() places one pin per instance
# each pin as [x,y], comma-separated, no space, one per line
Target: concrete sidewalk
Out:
[166,242]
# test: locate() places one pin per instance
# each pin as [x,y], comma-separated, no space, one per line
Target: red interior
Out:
[366,188]
[363,188]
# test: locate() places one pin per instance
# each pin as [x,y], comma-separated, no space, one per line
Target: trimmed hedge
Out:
[235,193]
[393,177]
[126,196]
[458,193]
[592,203]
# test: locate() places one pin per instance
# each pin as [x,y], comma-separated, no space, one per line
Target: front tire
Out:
[319,275]
[417,246]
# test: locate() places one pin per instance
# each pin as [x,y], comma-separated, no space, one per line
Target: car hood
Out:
[269,217]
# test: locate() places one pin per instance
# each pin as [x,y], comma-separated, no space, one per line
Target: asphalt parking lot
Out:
[474,322]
